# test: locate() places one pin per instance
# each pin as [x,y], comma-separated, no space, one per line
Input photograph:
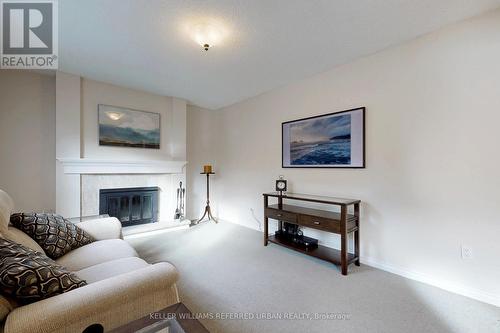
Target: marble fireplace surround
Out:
[104,174]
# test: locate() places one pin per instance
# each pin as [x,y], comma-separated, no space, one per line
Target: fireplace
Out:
[132,206]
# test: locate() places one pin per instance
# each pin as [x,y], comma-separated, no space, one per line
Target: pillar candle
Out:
[207,168]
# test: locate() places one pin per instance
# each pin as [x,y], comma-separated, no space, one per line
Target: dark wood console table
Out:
[341,223]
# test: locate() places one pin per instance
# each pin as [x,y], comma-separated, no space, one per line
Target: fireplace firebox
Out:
[132,206]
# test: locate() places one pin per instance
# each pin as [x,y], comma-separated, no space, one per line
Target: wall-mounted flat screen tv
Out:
[334,140]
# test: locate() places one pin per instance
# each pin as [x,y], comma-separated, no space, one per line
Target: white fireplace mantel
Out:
[87,166]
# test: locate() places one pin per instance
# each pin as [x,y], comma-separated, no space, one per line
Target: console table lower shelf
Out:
[321,252]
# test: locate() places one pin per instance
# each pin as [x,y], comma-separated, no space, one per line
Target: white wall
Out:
[27,139]
[431,181]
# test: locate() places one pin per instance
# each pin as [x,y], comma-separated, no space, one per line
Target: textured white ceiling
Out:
[143,44]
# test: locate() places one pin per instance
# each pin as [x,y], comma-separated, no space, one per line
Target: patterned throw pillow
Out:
[30,276]
[55,235]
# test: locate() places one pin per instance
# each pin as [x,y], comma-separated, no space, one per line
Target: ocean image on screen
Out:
[321,141]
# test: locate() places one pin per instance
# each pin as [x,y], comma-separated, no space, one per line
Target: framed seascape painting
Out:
[128,128]
[334,140]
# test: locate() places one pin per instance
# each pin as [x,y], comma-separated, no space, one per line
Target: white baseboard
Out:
[473,293]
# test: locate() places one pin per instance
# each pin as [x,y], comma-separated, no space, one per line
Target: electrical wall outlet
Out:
[466,252]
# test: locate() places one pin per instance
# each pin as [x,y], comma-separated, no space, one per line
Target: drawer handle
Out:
[278,215]
[316,222]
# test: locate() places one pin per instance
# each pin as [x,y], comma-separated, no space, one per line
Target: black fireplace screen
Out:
[131,206]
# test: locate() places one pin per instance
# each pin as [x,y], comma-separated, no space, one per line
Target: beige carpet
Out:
[226,271]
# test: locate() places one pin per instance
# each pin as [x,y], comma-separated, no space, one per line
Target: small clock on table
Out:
[281,185]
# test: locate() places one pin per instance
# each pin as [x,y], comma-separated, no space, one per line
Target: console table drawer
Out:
[319,223]
[281,215]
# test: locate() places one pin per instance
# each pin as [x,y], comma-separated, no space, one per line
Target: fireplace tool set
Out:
[179,211]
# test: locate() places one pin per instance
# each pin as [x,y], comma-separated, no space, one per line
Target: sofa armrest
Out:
[111,303]
[102,228]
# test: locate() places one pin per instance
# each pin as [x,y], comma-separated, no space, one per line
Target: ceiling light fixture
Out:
[206,34]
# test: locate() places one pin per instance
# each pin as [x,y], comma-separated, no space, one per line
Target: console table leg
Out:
[343,240]
[356,246]
[266,221]
[343,254]
[356,234]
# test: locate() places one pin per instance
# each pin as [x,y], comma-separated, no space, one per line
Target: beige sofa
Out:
[121,286]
